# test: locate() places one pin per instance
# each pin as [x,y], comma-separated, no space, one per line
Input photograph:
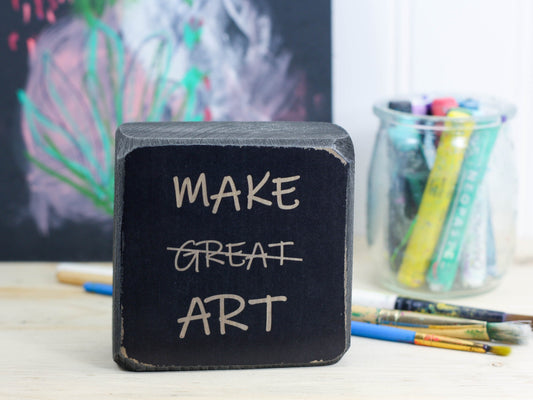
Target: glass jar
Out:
[441,210]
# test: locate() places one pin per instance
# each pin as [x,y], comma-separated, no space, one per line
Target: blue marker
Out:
[100,288]
[470,104]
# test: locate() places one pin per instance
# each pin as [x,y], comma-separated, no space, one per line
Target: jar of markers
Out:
[442,185]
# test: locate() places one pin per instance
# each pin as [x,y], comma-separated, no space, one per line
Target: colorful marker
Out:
[492,268]
[470,104]
[473,262]
[420,106]
[436,199]
[441,106]
[445,260]
[409,174]
[400,105]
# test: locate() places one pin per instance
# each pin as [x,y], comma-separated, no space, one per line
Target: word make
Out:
[229,190]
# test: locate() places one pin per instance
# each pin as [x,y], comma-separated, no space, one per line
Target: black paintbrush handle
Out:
[430,307]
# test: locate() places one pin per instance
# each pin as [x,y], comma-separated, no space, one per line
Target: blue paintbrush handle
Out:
[100,288]
[382,332]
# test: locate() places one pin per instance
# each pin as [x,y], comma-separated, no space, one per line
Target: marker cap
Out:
[400,105]
[441,106]
[469,103]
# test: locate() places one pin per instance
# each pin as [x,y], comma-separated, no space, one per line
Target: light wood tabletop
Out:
[55,343]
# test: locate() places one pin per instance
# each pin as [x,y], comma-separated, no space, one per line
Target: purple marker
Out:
[421,106]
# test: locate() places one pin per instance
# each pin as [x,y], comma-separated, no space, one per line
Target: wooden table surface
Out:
[55,343]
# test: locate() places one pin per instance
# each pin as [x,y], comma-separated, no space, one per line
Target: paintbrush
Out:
[373,299]
[78,274]
[423,339]
[507,332]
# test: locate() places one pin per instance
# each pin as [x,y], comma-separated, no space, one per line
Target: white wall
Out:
[387,47]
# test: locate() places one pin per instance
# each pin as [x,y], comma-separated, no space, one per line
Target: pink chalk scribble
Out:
[12,41]
[50,16]
[26,12]
[30,46]
[41,10]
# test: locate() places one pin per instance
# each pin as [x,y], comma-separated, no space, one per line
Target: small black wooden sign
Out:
[232,246]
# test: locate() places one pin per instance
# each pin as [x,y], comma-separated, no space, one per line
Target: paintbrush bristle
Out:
[500,350]
[518,317]
[516,332]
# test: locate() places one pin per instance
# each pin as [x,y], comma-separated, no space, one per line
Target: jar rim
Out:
[496,112]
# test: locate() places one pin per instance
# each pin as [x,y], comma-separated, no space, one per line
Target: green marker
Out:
[445,261]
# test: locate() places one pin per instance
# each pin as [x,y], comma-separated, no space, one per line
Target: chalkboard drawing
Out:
[109,62]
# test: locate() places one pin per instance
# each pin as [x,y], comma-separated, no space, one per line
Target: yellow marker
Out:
[436,199]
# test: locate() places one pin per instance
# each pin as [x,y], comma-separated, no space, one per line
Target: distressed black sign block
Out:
[233,245]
